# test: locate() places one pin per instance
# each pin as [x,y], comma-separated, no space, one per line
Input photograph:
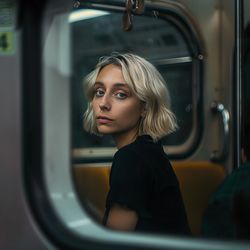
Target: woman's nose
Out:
[105,104]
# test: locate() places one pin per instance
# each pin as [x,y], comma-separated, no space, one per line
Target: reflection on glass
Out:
[80,15]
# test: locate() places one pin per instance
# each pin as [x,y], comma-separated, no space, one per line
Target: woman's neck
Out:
[124,139]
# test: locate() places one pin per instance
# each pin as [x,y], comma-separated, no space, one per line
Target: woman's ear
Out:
[144,110]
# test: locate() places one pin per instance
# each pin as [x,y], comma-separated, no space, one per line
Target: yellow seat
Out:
[198,180]
[92,185]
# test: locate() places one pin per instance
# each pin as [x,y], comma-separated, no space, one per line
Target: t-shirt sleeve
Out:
[128,183]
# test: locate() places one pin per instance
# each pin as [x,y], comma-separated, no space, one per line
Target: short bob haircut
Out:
[145,81]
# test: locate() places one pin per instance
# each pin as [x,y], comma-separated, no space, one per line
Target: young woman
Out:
[128,99]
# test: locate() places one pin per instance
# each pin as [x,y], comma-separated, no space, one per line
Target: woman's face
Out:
[117,110]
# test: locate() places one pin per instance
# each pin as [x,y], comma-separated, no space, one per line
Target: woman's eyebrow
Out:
[119,85]
[116,85]
[99,83]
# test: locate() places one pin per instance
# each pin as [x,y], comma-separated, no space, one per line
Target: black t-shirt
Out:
[142,179]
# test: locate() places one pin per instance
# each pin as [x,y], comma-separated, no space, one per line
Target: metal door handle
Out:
[218,108]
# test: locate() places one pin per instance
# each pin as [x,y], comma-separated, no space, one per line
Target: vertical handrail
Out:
[218,108]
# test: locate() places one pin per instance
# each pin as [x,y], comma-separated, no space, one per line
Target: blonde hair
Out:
[147,84]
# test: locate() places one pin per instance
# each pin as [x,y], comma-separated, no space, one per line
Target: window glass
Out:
[94,34]
[179,77]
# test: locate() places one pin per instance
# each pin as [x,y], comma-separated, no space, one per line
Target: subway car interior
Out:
[55,175]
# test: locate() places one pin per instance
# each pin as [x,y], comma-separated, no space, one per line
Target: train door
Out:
[193,45]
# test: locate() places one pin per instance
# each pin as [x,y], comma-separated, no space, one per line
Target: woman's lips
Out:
[104,120]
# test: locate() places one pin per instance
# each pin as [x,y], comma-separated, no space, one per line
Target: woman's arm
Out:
[121,218]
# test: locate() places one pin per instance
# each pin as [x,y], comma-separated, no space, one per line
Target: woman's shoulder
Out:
[126,153]
[127,162]
[140,146]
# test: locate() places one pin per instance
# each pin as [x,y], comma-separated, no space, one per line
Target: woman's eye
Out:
[99,92]
[121,95]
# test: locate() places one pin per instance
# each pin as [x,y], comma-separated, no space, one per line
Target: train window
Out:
[154,36]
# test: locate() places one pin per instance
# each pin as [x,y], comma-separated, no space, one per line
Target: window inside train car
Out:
[97,33]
